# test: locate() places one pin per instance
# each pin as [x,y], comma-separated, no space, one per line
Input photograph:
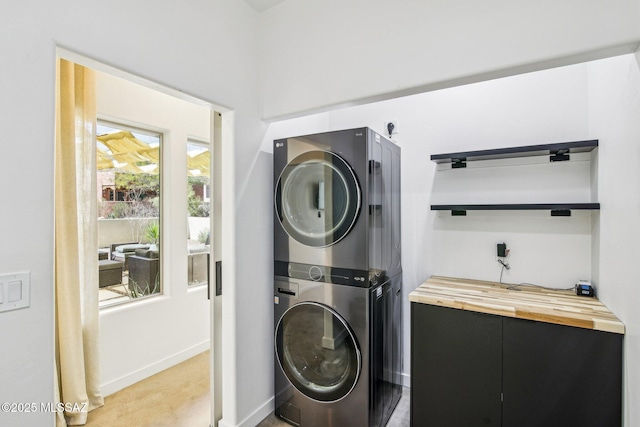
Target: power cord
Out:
[504,265]
[514,287]
[503,253]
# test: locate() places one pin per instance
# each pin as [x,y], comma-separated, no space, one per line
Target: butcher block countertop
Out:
[519,301]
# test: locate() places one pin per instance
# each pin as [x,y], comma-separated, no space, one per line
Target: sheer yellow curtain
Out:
[76,257]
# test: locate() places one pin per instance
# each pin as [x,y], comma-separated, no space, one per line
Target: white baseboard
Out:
[131,378]
[254,419]
[406,379]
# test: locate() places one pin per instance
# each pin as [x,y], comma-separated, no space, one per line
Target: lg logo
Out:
[279,144]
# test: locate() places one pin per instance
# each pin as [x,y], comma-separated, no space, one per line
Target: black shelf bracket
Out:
[559,155]
[560,212]
[458,163]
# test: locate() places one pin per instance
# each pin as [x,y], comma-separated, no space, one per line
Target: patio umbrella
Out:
[128,154]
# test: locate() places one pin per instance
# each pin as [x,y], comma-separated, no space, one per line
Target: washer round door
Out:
[318,352]
[317,198]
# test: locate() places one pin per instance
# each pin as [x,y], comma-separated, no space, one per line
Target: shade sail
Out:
[199,162]
[126,153]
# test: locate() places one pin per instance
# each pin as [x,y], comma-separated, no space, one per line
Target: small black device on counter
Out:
[584,288]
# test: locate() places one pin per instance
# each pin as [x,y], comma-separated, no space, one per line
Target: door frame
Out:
[219,115]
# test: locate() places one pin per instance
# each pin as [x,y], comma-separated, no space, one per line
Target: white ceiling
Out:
[262,5]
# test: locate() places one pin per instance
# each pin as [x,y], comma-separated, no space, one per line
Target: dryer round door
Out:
[317,198]
[317,352]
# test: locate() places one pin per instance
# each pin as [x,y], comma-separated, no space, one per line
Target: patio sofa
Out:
[123,251]
[144,268]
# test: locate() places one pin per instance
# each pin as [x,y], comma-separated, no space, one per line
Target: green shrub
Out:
[152,233]
[203,236]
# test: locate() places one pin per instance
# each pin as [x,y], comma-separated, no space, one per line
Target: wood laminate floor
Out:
[179,397]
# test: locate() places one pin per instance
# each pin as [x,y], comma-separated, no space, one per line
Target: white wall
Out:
[175,326]
[27,358]
[205,49]
[120,230]
[596,100]
[319,54]
[614,116]
[210,50]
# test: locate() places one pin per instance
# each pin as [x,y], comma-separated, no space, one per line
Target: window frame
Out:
[206,198]
[150,131]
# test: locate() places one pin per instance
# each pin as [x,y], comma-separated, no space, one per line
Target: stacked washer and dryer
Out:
[338,279]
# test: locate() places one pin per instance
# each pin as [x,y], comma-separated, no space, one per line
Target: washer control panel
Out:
[321,273]
[315,273]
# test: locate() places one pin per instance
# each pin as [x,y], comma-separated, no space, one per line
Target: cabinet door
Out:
[560,375]
[456,367]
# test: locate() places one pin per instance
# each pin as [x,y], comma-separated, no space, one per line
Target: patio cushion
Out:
[147,253]
[130,247]
[106,264]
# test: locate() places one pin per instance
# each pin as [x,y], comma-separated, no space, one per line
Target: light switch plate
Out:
[16,291]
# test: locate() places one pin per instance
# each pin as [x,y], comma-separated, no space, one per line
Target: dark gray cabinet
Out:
[476,369]
[557,375]
[456,367]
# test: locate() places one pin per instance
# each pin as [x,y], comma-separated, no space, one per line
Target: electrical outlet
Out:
[393,124]
[502,250]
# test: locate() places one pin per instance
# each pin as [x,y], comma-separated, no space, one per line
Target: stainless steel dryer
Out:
[335,358]
[337,207]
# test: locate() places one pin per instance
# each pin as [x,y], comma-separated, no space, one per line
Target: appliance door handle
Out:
[287,292]
[321,195]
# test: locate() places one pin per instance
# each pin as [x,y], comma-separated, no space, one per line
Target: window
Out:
[198,206]
[129,191]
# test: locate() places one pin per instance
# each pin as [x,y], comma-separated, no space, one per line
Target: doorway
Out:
[142,335]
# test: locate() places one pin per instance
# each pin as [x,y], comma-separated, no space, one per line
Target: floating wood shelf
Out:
[557,209]
[557,152]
